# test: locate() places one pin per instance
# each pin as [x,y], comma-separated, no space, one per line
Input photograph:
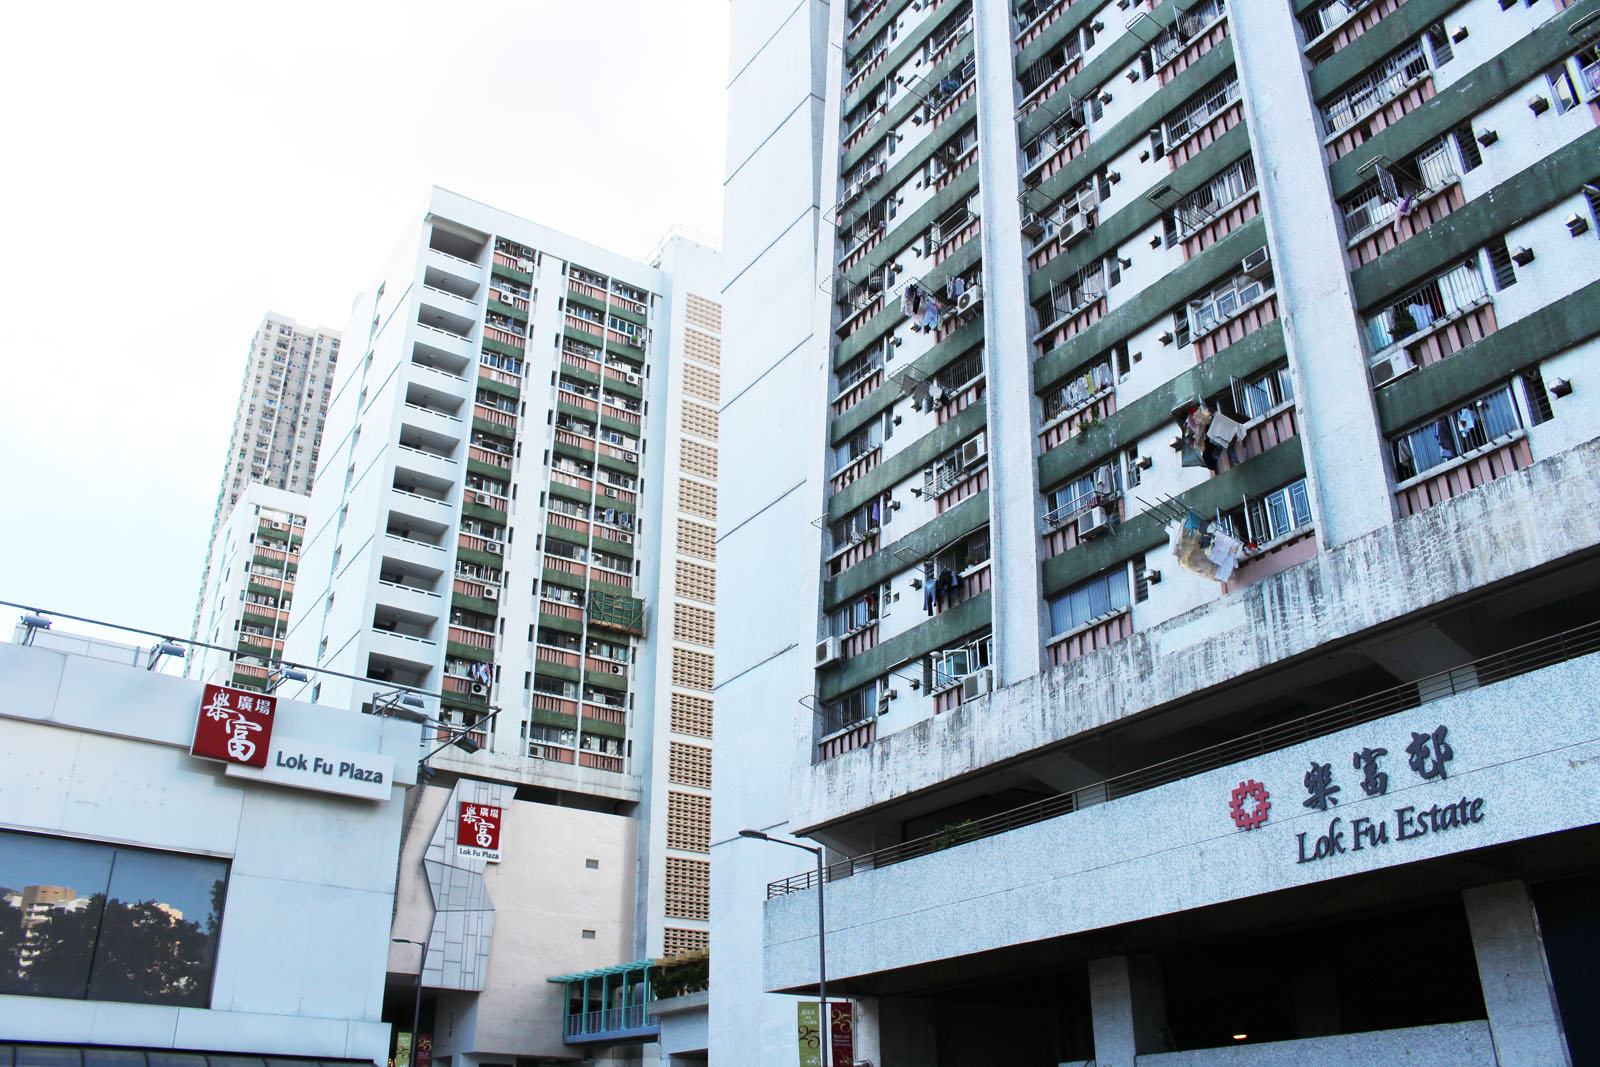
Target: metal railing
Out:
[1581,641]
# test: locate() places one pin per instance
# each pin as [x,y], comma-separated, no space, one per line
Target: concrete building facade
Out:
[1182,425]
[172,904]
[277,428]
[517,512]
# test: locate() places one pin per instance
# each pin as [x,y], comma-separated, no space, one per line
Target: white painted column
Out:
[1129,1009]
[1524,1019]
[1015,508]
[1345,468]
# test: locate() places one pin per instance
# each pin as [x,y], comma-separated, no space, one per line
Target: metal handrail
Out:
[1580,641]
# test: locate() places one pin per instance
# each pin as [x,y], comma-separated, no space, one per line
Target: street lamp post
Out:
[416,1007]
[822,941]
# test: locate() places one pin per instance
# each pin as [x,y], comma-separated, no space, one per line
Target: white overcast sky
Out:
[174,170]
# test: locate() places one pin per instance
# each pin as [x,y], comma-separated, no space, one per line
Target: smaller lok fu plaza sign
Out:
[478,831]
[1428,756]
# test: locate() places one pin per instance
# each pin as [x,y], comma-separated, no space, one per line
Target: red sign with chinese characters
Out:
[478,831]
[235,726]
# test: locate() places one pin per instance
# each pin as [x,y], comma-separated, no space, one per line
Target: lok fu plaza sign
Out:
[235,726]
[1428,756]
[478,831]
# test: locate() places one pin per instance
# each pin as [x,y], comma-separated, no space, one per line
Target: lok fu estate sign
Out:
[1427,755]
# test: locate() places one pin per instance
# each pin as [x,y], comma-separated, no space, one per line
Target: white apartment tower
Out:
[518,513]
[1160,520]
[282,402]
[253,563]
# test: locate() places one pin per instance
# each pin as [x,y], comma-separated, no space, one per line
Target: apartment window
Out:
[1208,201]
[1201,108]
[861,612]
[951,665]
[1505,272]
[1093,488]
[1102,595]
[1451,292]
[1254,397]
[1212,309]
[1465,429]
[1388,80]
[1272,515]
[87,921]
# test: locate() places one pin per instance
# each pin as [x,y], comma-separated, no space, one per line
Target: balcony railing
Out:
[1523,659]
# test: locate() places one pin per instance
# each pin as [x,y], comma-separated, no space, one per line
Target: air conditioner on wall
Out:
[1093,522]
[492,547]
[478,689]
[828,652]
[1257,264]
[1392,366]
[969,299]
[490,593]
[1032,225]
[973,451]
[977,684]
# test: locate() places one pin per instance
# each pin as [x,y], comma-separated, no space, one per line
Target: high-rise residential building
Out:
[1185,493]
[277,429]
[517,512]
[249,590]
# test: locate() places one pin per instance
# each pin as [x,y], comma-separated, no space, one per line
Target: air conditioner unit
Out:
[491,593]
[481,498]
[973,451]
[851,191]
[1392,366]
[492,547]
[970,299]
[1032,225]
[876,171]
[1257,264]
[478,689]
[977,684]
[633,379]
[616,668]
[828,652]
[1072,228]
[1093,522]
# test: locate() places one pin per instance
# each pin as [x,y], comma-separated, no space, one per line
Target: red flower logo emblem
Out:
[1251,819]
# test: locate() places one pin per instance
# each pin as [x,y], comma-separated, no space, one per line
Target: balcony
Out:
[453,358]
[402,636]
[468,272]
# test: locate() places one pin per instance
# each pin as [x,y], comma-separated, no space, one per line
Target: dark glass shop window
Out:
[99,922]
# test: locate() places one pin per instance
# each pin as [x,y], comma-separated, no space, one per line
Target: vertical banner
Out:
[424,1055]
[809,1036]
[402,1049]
[842,1029]
[478,832]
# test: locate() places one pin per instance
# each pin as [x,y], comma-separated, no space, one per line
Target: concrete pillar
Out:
[1019,621]
[1524,1019]
[1316,1005]
[1346,472]
[1129,1009]
[906,1032]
